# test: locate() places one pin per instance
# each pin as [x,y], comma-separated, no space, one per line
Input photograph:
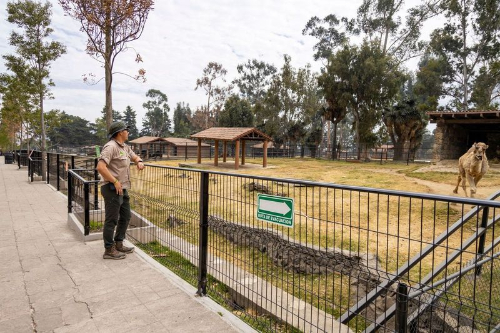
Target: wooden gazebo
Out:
[228,134]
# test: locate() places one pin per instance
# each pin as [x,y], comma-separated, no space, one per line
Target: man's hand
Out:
[119,188]
[140,165]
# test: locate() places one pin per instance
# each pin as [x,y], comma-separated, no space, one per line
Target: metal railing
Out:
[21,158]
[35,167]
[355,258]
[58,166]
[339,266]
[84,200]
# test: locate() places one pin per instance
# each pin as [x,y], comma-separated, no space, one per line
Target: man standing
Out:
[113,166]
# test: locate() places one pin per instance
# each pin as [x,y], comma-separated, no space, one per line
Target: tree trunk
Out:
[398,151]
[108,70]
[334,142]
[356,119]
[328,143]
[464,56]
[43,147]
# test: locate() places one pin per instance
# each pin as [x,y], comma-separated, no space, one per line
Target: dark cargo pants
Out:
[117,215]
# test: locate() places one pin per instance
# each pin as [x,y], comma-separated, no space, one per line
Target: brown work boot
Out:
[122,248]
[111,253]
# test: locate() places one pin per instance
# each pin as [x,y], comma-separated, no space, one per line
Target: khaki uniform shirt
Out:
[117,156]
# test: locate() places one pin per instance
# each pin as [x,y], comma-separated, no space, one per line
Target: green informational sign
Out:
[97,151]
[275,209]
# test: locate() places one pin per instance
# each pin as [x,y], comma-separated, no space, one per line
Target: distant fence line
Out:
[365,152]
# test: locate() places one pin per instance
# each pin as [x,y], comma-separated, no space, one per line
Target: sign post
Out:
[275,209]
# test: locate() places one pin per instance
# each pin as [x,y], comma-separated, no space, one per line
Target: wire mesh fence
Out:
[338,266]
[345,258]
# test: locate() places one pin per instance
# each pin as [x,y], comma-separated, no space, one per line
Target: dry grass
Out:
[394,228]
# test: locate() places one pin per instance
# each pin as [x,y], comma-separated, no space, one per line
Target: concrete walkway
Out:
[52,282]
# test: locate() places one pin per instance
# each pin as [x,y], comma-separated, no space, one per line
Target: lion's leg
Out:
[477,179]
[472,185]
[464,178]
[458,183]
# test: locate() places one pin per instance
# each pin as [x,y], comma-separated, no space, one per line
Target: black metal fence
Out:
[339,266]
[35,166]
[21,158]
[58,166]
[84,200]
[353,258]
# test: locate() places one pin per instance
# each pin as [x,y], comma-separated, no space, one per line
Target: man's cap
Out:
[116,127]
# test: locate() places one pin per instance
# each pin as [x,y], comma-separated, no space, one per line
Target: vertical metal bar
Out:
[86,189]
[48,168]
[30,169]
[72,162]
[186,152]
[70,188]
[203,241]
[96,186]
[482,239]
[401,308]
[58,173]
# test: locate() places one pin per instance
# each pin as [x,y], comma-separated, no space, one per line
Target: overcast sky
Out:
[180,38]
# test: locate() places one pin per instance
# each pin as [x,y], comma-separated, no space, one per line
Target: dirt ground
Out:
[452,166]
[323,171]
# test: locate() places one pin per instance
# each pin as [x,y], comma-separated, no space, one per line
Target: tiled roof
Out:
[465,116]
[463,112]
[184,142]
[231,134]
[146,139]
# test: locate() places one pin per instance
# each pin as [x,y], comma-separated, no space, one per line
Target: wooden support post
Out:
[264,162]
[237,155]
[199,151]
[216,153]
[224,152]
[243,152]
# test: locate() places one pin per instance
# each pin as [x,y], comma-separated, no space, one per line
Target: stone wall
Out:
[450,141]
[362,268]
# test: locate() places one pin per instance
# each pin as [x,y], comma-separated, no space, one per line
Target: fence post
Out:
[482,239]
[96,185]
[72,162]
[48,168]
[203,241]
[30,169]
[70,189]
[401,308]
[58,172]
[86,189]
[186,152]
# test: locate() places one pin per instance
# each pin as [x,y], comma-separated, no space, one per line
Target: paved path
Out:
[52,282]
